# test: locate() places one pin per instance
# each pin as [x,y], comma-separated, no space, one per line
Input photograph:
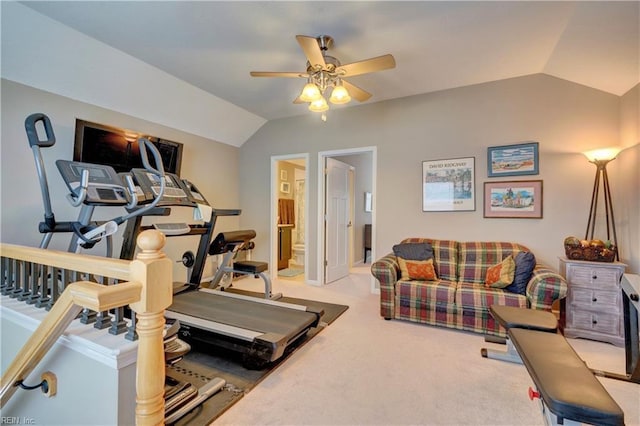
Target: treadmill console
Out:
[104,187]
[176,193]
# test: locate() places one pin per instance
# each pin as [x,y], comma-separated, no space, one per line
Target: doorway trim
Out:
[322,207]
[273,222]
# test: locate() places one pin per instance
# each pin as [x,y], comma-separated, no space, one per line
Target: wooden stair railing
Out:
[148,291]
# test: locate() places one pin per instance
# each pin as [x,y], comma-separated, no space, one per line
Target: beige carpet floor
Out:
[363,370]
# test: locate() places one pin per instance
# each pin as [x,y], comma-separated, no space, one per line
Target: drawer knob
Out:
[595,277]
[594,322]
[594,300]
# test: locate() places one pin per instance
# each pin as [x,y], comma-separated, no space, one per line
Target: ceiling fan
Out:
[325,71]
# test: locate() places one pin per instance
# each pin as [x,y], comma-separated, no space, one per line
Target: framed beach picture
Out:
[448,185]
[513,160]
[513,199]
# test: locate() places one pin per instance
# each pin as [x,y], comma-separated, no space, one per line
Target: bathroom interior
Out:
[291,238]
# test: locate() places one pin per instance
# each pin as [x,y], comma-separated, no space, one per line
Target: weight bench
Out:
[568,391]
[229,244]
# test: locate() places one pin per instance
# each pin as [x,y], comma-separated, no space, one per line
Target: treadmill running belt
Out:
[246,314]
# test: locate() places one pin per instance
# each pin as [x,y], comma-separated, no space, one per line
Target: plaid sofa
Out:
[459,299]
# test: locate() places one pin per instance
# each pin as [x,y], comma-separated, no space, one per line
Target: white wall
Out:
[212,166]
[565,118]
[106,394]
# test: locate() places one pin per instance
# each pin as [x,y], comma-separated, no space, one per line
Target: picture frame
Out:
[448,185]
[519,199]
[513,160]
[283,175]
[285,187]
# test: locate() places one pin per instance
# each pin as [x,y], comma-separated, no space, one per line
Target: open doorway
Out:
[362,189]
[289,210]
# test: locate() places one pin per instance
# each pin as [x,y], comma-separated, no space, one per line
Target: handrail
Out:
[113,268]
[150,270]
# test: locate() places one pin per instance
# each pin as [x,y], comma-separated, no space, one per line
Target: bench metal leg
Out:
[510,355]
[267,288]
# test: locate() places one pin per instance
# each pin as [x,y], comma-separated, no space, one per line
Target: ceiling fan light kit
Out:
[324,72]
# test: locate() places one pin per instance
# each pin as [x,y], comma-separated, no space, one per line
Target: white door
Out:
[336,220]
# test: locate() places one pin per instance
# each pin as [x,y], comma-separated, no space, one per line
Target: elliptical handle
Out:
[32,133]
[146,145]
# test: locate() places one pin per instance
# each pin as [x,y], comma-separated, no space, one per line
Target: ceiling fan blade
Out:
[298,101]
[356,92]
[368,65]
[278,74]
[311,50]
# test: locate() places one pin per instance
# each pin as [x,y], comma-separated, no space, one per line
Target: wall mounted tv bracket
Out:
[91,185]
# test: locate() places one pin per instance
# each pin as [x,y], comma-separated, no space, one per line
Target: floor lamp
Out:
[601,157]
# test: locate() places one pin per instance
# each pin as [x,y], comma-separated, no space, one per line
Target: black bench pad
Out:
[250,266]
[565,383]
[532,319]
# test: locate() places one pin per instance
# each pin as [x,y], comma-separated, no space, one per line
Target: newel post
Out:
[154,270]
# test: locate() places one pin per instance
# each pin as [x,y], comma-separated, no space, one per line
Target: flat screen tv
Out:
[101,144]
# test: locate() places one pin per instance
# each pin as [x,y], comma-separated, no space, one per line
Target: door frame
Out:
[273,221]
[322,205]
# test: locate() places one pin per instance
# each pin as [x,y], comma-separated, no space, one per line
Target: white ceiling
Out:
[214,45]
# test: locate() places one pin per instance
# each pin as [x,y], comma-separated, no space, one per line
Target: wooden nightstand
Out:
[593,307]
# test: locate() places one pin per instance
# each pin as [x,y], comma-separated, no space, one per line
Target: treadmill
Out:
[260,329]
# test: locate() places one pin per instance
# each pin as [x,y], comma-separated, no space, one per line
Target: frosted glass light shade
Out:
[604,154]
[339,95]
[319,105]
[310,93]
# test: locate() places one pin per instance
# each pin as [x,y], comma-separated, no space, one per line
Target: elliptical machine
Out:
[90,186]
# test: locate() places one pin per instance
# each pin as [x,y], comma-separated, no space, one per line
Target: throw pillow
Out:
[525,263]
[501,275]
[413,251]
[417,269]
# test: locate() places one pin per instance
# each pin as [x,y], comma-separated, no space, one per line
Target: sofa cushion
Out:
[445,256]
[413,251]
[417,269]
[477,296]
[417,294]
[477,257]
[501,275]
[525,262]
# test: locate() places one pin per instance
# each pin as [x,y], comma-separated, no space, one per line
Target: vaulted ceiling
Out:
[213,45]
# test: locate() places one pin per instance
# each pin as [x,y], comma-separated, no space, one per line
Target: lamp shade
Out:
[603,154]
[339,95]
[319,105]
[310,93]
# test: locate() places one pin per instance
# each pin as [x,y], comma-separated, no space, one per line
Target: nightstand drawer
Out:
[596,322]
[596,299]
[590,276]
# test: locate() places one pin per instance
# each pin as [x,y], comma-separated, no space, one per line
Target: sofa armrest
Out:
[386,271]
[545,287]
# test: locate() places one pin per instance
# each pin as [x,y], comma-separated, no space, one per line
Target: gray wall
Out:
[212,166]
[565,118]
